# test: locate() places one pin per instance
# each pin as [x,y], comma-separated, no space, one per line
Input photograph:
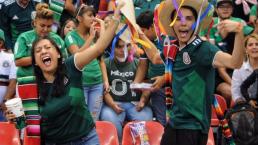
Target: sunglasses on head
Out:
[82,7]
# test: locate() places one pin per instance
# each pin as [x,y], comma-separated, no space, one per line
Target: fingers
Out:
[118,8]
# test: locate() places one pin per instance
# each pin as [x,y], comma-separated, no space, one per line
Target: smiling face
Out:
[46,56]
[183,29]
[69,27]
[224,10]
[252,48]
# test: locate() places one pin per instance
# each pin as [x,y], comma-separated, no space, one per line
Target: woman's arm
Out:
[24,61]
[84,57]
[152,53]
[112,104]
[104,74]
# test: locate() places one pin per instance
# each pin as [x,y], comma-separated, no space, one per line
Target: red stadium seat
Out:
[223,105]
[154,130]
[9,135]
[107,133]
[210,138]
[31,140]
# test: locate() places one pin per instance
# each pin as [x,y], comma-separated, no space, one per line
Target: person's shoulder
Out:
[9,3]
[55,36]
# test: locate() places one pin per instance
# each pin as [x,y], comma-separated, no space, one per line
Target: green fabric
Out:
[2,35]
[253,10]
[92,74]
[156,69]
[66,118]
[26,80]
[193,86]
[23,49]
[16,19]
[144,5]
[120,76]
[214,31]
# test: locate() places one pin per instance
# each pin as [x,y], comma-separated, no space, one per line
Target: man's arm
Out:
[141,71]
[152,52]
[236,59]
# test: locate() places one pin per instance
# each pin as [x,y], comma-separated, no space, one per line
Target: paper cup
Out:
[15,106]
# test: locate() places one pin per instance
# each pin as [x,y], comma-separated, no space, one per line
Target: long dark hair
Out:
[58,84]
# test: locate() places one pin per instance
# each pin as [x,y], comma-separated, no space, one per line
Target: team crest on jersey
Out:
[6,64]
[66,80]
[186,58]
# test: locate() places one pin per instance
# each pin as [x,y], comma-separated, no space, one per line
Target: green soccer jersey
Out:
[156,69]
[253,11]
[120,76]
[16,19]
[193,86]
[66,118]
[23,49]
[92,74]
[214,34]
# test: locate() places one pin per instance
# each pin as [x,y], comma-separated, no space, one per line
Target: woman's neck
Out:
[254,63]
[82,31]
[50,77]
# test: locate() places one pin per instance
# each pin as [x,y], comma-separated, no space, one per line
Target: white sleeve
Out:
[237,80]
[13,69]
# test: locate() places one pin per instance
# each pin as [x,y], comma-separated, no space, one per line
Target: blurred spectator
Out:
[253,14]
[7,75]
[16,17]
[139,5]
[42,27]
[68,26]
[94,73]
[121,103]
[225,41]
[250,64]
[155,72]
[239,10]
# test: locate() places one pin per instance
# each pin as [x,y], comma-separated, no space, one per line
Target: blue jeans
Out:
[130,113]
[90,139]
[158,104]
[94,99]
[2,117]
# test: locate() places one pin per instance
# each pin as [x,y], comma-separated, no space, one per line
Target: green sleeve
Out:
[253,10]
[71,68]
[61,44]
[20,48]
[207,51]
[69,40]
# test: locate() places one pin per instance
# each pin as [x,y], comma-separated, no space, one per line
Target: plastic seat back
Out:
[9,135]
[210,137]
[223,105]
[154,130]
[30,140]
[107,133]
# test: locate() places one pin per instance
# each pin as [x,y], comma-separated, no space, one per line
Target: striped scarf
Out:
[27,91]
[170,51]
[225,128]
